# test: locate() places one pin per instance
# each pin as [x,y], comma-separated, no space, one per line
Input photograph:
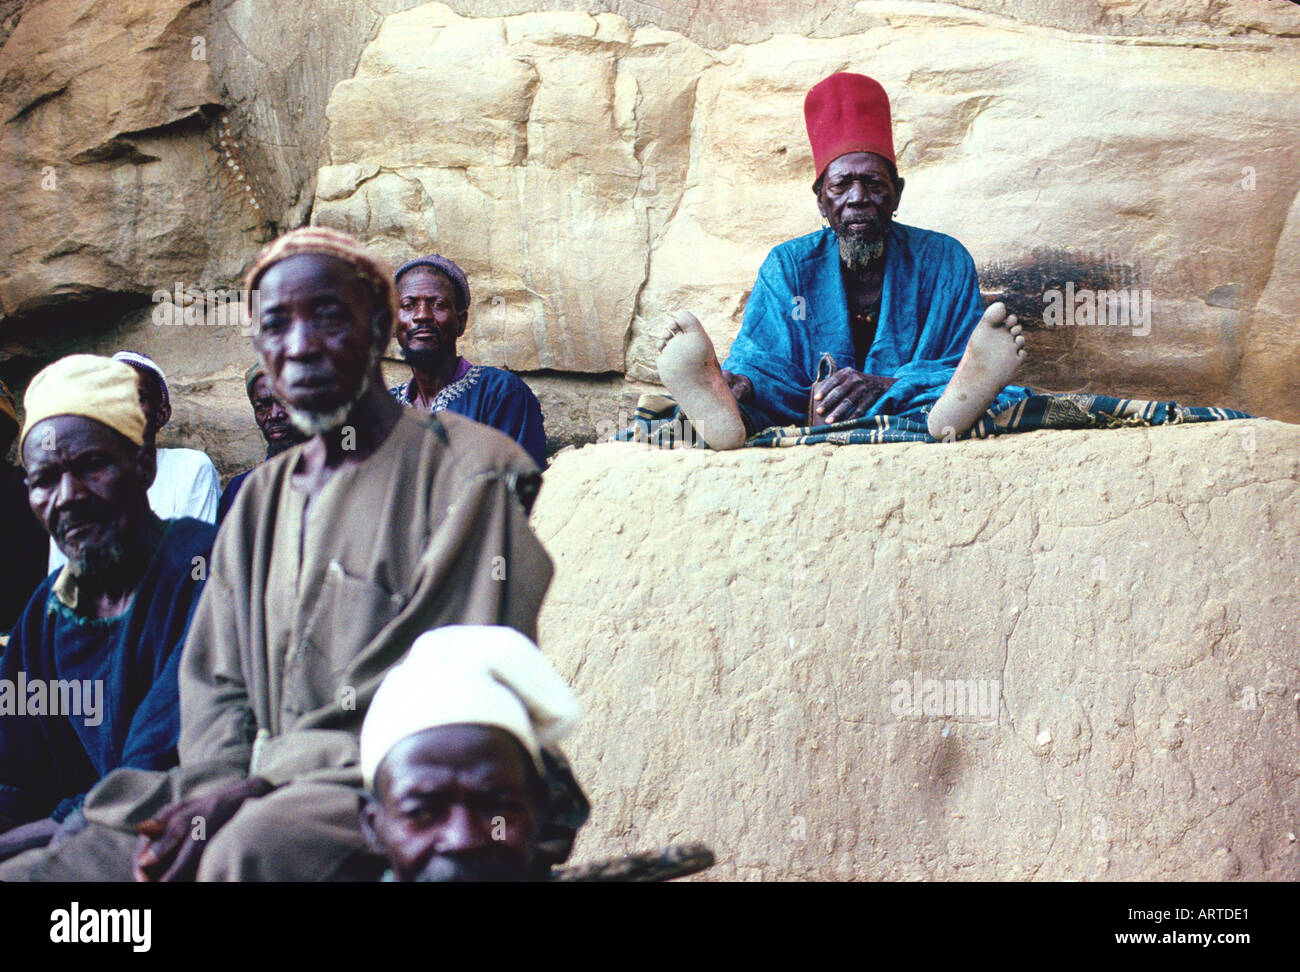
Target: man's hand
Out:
[847,394]
[742,390]
[168,851]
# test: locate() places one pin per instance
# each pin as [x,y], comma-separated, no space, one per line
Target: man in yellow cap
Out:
[88,682]
[23,544]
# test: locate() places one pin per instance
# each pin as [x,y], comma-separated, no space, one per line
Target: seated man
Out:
[24,547]
[273,421]
[866,317]
[452,756]
[88,682]
[334,557]
[432,312]
[186,482]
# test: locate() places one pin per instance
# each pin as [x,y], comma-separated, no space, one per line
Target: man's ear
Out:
[464,321]
[898,191]
[368,815]
[817,191]
[164,414]
[381,326]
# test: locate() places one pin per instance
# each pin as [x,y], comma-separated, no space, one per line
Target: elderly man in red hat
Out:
[864,317]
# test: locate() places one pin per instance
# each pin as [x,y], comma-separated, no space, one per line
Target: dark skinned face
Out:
[316,332]
[456,803]
[88,486]
[858,196]
[271,417]
[157,412]
[428,323]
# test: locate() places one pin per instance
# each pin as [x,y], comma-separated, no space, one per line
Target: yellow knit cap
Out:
[88,385]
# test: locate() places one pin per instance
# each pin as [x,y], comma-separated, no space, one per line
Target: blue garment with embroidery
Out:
[493,397]
[929,306]
[48,762]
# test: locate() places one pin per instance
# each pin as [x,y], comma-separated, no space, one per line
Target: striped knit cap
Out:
[332,243]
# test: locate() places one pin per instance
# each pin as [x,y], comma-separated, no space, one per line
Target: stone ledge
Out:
[740,628]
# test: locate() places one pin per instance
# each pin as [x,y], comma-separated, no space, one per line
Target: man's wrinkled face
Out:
[271,417]
[858,197]
[428,322]
[456,803]
[88,485]
[319,336]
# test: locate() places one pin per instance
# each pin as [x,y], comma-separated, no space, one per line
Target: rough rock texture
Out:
[112,187]
[594,177]
[597,165]
[738,626]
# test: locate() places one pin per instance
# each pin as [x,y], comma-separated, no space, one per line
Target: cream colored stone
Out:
[595,171]
[741,687]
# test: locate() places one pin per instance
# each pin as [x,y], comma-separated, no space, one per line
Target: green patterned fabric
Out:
[659,422]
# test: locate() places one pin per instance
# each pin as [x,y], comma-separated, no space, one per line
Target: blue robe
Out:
[798,310]
[492,397]
[49,762]
[228,495]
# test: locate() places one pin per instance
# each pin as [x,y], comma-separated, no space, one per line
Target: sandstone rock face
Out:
[112,190]
[593,177]
[752,636]
[597,167]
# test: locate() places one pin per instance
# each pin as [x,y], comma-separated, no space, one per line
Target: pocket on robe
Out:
[349,612]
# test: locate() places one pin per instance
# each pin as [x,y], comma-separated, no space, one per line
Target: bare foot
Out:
[690,371]
[993,353]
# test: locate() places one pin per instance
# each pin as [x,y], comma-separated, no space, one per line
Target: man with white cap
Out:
[185,482]
[453,755]
[88,682]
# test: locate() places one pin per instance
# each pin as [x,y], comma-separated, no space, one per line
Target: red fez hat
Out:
[847,113]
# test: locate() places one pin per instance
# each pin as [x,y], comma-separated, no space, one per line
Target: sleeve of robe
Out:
[205,494]
[770,350]
[482,565]
[25,753]
[517,413]
[934,304]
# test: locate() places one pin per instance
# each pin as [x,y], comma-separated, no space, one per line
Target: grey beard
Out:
[98,561]
[315,423]
[858,252]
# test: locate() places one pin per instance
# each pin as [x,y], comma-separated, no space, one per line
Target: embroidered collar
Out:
[467,376]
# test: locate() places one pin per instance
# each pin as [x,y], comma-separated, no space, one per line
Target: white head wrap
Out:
[473,675]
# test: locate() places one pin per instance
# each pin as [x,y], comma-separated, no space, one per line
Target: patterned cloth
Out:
[466,377]
[659,422]
[493,397]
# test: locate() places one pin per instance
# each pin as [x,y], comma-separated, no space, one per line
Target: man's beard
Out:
[860,249]
[424,359]
[311,423]
[96,561]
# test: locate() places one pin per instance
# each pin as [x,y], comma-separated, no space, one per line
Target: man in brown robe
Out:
[334,558]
